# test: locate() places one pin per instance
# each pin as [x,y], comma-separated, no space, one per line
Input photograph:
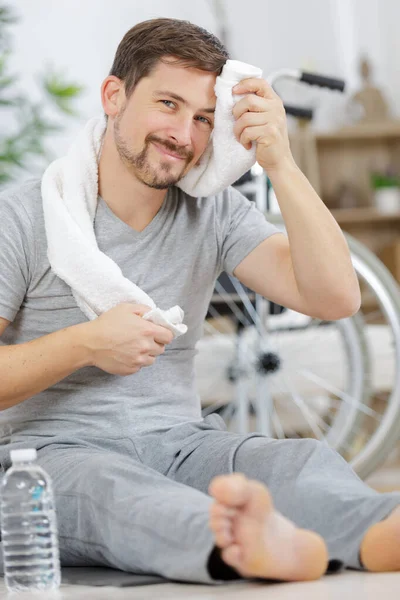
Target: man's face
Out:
[165,126]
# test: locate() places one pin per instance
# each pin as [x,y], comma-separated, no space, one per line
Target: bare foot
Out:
[255,539]
[380,548]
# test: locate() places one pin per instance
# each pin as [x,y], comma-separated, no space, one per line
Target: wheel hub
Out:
[268,362]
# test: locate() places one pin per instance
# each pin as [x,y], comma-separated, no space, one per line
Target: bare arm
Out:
[309,271]
[32,367]
[119,342]
[312,272]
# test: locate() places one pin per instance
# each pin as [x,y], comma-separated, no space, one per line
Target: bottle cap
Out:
[25,455]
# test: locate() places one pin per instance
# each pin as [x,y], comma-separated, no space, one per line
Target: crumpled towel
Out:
[225,159]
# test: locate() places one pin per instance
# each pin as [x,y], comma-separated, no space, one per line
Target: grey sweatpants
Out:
[141,504]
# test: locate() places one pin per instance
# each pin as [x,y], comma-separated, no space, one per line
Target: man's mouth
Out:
[163,150]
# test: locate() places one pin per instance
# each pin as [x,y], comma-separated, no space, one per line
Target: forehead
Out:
[192,84]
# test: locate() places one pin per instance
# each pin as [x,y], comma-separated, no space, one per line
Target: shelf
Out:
[363,215]
[368,131]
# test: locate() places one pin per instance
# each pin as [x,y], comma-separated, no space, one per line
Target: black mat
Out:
[100,576]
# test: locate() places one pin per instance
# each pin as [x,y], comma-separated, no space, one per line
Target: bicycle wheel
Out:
[378,431]
[293,376]
[277,387]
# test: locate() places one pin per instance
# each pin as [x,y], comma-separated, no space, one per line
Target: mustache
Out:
[182,152]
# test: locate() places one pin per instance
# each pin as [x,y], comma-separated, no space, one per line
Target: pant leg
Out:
[310,484]
[114,511]
[316,488]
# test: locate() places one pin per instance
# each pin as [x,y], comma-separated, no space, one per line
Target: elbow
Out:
[342,307]
[5,402]
[345,310]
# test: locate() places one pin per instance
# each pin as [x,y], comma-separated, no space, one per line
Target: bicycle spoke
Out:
[277,425]
[212,330]
[246,302]
[304,409]
[227,298]
[274,385]
[307,413]
[334,390]
[215,314]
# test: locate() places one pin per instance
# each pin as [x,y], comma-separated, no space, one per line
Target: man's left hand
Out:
[260,117]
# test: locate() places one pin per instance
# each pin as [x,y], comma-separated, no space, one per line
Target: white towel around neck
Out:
[70,196]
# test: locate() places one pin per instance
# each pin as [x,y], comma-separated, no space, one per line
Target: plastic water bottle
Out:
[28,526]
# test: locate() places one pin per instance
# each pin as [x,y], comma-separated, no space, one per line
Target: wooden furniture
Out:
[347,157]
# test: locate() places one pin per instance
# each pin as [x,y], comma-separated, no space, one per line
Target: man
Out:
[142,482]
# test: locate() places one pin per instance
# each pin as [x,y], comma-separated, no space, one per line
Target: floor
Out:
[345,586]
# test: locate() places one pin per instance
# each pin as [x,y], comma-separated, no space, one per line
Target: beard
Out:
[159,177]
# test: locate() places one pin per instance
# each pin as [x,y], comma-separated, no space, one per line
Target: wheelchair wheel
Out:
[288,375]
[378,431]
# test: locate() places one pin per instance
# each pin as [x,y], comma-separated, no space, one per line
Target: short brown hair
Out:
[147,43]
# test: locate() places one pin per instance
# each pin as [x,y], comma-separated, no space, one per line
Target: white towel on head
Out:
[225,159]
[70,195]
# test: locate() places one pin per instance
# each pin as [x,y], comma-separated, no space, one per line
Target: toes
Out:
[232,556]
[231,490]
[222,529]
[223,538]
[236,491]
[259,503]
[221,510]
[220,523]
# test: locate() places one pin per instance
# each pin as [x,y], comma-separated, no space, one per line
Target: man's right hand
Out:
[121,342]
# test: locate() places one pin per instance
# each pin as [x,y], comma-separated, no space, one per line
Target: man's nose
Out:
[182,132]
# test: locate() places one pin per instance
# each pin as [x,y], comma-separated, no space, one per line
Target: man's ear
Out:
[112,95]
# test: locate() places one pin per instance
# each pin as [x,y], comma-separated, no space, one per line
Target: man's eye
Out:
[204,120]
[167,103]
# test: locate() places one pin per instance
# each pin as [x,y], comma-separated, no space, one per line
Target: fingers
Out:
[255,85]
[254,104]
[147,360]
[248,120]
[140,309]
[150,355]
[162,335]
[267,134]
[157,349]
[258,118]
[250,103]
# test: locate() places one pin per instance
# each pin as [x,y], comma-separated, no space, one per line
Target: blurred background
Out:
[78,39]
[71,46]
[53,59]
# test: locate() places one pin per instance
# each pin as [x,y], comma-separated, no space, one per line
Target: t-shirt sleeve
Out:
[16,254]
[242,228]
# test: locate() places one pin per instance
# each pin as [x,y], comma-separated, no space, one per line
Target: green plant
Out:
[23,148]
[384,180]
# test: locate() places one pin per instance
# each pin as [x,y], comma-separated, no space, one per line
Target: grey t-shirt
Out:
[175,259]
